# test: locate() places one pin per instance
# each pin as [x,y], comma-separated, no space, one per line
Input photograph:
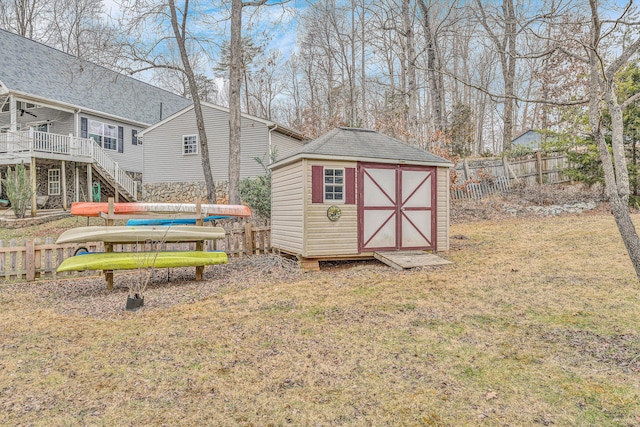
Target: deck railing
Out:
[111,167]
[45,142]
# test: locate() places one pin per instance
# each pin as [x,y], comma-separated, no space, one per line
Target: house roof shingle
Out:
[357,143]
[35,69]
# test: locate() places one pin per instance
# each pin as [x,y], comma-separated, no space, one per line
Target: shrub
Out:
[256,192]
[18,189]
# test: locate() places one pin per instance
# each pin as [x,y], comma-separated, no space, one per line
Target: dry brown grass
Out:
[535,323]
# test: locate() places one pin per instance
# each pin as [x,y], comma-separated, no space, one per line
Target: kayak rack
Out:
[110,216]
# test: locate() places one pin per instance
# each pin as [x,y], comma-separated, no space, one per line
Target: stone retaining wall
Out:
[185,192]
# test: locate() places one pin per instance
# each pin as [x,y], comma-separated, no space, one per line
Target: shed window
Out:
[190,144]
[333,185]
[330,185]
[54,182]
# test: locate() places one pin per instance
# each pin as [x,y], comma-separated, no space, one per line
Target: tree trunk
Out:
[411,92]
[509,72]
[436,80]
[616,177]
[235,118]
[179,33]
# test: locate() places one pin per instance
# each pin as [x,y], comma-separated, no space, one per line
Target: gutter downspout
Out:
[275,126]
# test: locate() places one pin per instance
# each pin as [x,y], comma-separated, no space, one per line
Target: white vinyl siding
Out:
[287,208]
[284,145]
[164,162]
[322,236]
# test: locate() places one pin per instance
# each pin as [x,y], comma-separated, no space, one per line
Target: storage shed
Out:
[353,192]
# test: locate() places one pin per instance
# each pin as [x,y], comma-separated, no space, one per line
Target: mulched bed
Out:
[88,296]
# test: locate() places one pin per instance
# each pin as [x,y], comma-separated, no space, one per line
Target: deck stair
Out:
[401,260]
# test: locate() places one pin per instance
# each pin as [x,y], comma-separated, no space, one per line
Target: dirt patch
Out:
[622,351]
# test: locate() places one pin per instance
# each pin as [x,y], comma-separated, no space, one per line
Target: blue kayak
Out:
[170,221]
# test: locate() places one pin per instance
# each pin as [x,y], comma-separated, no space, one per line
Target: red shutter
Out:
[350,186]
[317,184]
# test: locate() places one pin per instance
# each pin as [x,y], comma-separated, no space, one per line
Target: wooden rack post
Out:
[108,247]
[199,243]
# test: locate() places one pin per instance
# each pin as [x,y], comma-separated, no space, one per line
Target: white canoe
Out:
[140,234]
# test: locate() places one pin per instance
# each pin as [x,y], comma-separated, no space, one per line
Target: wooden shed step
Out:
[409,259]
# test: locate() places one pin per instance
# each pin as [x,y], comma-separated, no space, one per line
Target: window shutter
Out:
[120,139]
[317,184]
[134,137]
[84,126]
[350,186]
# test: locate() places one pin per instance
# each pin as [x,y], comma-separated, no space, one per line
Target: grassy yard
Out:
[536,323]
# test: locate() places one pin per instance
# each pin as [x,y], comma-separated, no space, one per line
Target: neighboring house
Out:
[529,139]
[73,121]
[172,169]
[353,192]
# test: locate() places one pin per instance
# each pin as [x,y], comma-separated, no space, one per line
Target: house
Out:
[353,192]
[172,166]
[528,139]
[74,122]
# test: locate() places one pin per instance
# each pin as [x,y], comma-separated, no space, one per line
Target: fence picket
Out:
[36,260]
[530,171]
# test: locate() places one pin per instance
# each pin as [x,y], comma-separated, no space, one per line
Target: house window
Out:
[104,134]
[54,182]
[190,144]
[134,137]
[333,185]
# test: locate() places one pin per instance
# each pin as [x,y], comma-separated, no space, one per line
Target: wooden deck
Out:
[401,260]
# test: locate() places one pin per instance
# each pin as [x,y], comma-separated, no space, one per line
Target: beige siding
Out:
[131,158]
[287,208]
[164,160]
[323,237]
[284,145]
[443,209]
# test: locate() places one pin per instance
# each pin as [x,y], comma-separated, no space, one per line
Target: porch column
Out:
[63,172]
[13,113]
[34,187]
[76,188]
[89,183]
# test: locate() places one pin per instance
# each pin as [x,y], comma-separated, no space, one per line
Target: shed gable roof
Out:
[32,68]
[364,144]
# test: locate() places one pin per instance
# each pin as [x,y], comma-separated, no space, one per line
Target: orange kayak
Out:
[94,209]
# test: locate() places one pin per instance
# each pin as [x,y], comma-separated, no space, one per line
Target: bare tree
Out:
[152,54]
[604,96]
[24,17]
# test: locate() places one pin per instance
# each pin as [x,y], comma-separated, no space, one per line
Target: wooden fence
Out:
[34,259]
[489,176]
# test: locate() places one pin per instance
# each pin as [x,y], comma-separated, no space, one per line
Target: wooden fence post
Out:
[467,173]
[30,261]
[248,239]
[539,166]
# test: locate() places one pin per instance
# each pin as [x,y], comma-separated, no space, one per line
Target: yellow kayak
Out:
[136,260]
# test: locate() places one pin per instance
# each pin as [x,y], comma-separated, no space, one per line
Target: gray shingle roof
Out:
[365,144]
[35,69]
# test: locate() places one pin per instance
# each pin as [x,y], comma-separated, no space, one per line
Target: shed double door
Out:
[396,207]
